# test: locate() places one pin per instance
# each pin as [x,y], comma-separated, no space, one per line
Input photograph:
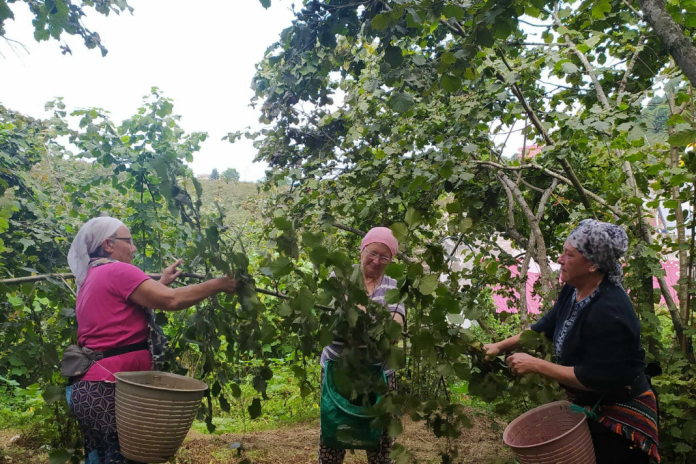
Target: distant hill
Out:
[241,201]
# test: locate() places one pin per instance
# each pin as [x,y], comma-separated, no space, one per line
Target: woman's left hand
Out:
[170,274]
[522,363]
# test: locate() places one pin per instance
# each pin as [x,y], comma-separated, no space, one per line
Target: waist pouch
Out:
[77,360]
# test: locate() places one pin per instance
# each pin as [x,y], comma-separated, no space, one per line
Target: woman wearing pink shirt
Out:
[112,319]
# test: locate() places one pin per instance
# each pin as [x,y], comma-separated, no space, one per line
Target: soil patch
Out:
[298,444]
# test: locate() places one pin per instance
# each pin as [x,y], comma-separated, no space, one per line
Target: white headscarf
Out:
[91,235]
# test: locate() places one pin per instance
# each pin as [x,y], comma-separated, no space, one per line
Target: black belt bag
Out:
[77,360]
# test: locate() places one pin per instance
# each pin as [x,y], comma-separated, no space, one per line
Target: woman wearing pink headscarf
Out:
[377,250]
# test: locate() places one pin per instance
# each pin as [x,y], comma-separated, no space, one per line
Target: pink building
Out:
[531,152]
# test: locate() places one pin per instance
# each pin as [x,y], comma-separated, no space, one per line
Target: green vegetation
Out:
[404,100]
[230,174]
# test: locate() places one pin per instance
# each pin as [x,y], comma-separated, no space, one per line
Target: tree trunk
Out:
[524,277]
[681,239]
[670,33]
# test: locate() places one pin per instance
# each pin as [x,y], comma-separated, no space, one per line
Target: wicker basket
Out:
[154,412]
[551,434]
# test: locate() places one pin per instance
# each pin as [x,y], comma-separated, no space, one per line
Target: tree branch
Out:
[534,225]
[511,228]
[594,196]
[629,69]
[630,7]
[66,275]
[601,96]
[349,229]
[671,35]
[455,27]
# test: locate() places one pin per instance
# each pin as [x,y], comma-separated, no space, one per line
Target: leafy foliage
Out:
[230,174]
[52,18]
[382,113]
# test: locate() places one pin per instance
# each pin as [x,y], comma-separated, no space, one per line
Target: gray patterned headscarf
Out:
[602,244]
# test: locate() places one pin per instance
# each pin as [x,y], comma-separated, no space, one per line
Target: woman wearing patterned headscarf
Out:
[599,357]
[377,249]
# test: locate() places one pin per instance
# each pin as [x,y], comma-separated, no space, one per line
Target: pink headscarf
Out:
[381,235]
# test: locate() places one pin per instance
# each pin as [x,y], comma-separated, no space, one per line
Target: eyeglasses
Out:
[382,259]
[125,239]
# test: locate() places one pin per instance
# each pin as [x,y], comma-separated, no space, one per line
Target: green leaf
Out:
[453,11]
[593,41]
[395,428]
[265,3]
[569,68]
[689,430]
[395,357]
[394,56]
[395,270]
[428,284]
[400,231]
[224,404]
[319,255]
[255,408]
[601,126]
[326,336]
[305,300]
[502,30]
[455,319]
[445,370]
[58,456]
[381,21]
[393,296]
[530,340]
[679,448]
[683,138]
[284,310]
[312,240]
[282,223]
[281,267]
[236,391]
[492,268]
[259,384]
[52,394]
[418,60]
[400,102]
[601,8]
[413,218]
[450,83]
[5,12]
[462,371]
[448,58]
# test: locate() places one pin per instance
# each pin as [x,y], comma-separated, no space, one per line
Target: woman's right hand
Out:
[492,351]
[227,284]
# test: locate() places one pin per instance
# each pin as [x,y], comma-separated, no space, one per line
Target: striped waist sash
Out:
[634,419]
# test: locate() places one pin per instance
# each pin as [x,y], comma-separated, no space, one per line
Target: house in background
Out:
[531,152]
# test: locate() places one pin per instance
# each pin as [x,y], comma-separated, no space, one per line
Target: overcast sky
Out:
[201,54]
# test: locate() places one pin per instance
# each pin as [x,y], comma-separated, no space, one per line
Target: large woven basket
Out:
[551,434]
[154,412]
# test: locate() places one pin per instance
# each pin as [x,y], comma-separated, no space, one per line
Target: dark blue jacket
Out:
[604,344]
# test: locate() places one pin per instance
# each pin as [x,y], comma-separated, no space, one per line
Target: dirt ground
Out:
[297,444]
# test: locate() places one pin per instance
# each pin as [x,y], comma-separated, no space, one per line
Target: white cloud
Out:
[201,54]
